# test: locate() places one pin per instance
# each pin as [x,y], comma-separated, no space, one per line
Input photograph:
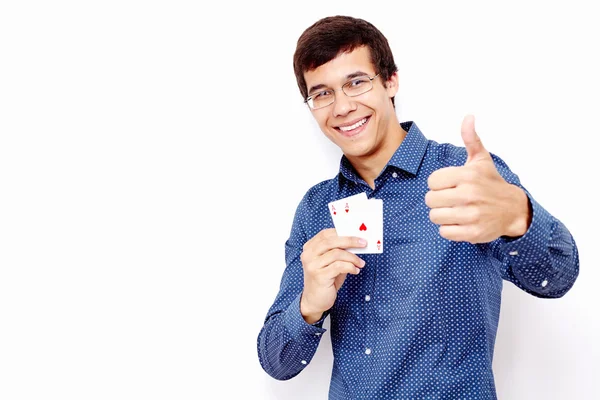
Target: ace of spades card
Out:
[361,217]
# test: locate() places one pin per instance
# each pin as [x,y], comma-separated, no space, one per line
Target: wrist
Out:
[522,218]
[309,314]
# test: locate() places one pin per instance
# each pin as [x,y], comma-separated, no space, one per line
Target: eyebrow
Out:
[348,77]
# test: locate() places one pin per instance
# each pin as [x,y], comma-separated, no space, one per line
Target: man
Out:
[419,320]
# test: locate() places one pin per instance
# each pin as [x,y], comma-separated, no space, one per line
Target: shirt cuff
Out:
[300,330]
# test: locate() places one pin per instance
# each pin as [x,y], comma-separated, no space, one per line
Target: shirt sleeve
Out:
[286,342]
[544,261]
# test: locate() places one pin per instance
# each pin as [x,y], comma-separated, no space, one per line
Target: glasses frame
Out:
[371,78]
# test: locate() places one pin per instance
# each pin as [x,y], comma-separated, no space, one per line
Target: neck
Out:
[369,166]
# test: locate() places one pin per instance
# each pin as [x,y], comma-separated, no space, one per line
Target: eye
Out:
[358,82]
[322,94]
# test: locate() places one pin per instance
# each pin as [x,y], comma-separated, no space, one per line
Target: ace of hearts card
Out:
[361,217]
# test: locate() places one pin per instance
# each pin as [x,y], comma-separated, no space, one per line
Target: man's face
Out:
[359,125]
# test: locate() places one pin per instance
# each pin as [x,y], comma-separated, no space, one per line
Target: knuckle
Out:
[428,199]
[305,247]
[432,216]
[470,174]
[475,214]
[476,232]
[304,258]
[444,232]
[431,180]
[329,232]
[329,242]
[338,254]
[470,195]
[336,265]
[323,234]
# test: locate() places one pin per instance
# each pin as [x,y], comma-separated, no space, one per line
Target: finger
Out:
[452,232]
[325,233]
[311,244]
[337,242]
[340,267]
[445,178]
[445,198]
[340,255]
[451,216]
[459,233]
[473,144]
[339,281]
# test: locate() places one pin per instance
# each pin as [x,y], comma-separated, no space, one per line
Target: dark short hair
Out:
[328,37]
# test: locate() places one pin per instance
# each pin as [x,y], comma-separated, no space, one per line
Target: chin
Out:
[358,151]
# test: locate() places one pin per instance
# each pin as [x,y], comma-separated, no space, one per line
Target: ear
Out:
[391,85]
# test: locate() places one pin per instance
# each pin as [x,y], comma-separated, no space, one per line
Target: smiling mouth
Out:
[355,128]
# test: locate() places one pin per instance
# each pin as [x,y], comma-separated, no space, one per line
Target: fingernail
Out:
[363,262]
[357,270]
[362,241]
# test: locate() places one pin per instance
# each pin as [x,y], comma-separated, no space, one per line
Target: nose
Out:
[343,104]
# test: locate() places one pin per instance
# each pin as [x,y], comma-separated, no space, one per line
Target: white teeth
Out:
[356,125]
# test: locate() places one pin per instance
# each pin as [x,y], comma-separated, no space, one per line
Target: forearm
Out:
[545,260]
[286,343]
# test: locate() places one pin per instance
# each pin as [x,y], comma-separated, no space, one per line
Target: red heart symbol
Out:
[362,227]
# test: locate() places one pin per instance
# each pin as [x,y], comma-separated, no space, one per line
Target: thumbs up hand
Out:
[473,203]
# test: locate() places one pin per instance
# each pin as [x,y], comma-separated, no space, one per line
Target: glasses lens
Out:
[321,99]
[357,86]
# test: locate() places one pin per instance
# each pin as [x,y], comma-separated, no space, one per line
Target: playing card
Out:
[341,210]
[367,224]
[364,219]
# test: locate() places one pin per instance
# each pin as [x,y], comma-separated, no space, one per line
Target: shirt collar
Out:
[407,157]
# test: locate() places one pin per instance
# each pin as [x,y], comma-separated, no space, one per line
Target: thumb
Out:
[475,149]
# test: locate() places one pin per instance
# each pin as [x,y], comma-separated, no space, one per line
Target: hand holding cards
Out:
[361,217]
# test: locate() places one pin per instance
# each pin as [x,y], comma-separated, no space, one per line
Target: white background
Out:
[152,155]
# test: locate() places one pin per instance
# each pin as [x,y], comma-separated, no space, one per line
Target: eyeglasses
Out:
[354,87]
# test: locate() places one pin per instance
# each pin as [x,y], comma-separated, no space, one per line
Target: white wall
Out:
[152,155]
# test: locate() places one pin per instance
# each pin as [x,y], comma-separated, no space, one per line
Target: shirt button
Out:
[318,334]
[303,362]
[367,298]
[395,175]
[544,283]
[514,253]
[367,351]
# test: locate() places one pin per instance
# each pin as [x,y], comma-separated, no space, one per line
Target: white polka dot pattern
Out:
[420,320]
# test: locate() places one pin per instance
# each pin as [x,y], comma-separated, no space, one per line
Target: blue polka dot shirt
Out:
[420,320]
